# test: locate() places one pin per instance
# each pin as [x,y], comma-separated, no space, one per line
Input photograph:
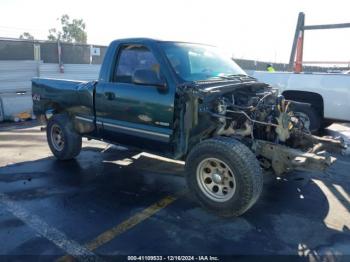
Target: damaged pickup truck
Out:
[188,102]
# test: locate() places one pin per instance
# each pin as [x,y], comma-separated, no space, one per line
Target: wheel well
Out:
[54,107]
[314,99]
[51,109]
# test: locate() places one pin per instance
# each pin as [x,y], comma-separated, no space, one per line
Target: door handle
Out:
[110,95]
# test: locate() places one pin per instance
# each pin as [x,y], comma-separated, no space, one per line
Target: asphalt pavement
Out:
[112,202]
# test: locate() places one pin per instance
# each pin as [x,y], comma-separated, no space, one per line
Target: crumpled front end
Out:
[255,114]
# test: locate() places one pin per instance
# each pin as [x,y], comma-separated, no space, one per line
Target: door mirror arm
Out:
[148,78]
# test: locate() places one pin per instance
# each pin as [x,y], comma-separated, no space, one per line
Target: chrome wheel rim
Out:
[57,137]
[216,179]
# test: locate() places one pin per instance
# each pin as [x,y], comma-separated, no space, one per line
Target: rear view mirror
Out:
[148,77]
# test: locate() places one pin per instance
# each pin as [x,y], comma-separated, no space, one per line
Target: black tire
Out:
[61,125]
[245,168]
[314,117]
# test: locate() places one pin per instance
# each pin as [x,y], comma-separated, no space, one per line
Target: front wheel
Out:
[224,176]
[63,140]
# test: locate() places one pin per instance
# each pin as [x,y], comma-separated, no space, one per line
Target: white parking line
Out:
[50,233]
[338,217]
[342,130]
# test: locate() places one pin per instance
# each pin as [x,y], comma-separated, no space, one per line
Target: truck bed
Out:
[73,96]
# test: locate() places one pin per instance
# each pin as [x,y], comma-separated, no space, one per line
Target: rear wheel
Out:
[63,140]
[224,176]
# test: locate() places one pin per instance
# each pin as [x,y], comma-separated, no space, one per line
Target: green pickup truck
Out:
[188,102]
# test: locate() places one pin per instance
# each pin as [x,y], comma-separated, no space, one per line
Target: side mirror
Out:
[149,78]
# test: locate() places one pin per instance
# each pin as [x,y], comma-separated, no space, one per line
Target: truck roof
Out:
[151,40]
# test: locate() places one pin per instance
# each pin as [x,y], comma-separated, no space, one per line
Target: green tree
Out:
[71,31]
[27,36]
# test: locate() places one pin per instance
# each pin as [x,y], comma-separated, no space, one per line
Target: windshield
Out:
[194,62]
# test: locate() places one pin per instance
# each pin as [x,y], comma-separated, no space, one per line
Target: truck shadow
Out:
[289,218]
[10,126]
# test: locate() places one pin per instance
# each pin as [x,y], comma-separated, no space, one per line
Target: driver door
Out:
[135,114]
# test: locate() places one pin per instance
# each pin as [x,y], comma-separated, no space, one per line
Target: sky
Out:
[249,29]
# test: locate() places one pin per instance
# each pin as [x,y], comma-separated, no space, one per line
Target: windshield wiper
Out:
[238,76]
[221,77]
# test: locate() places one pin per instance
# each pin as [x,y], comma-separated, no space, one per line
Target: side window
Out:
[132,58]
[196,63]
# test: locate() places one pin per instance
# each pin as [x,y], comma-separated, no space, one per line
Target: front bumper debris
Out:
[284,159]
[317,144]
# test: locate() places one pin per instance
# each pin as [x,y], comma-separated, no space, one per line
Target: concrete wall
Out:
[15,83]
[84,72]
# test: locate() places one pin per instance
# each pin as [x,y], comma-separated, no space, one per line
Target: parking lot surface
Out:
[111,201]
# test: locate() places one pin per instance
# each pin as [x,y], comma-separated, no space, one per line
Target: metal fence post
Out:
[299,27]
[37,58]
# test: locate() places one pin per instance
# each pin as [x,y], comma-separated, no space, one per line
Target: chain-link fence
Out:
[47,51]
[20,60]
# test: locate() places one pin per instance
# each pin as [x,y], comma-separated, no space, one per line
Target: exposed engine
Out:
[258,113]
[254,113]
